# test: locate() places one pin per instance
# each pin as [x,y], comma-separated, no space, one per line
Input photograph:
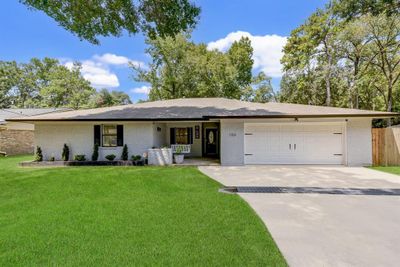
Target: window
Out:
[181,136]
[109,135]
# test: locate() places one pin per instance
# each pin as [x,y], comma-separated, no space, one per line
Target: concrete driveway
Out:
[324,229]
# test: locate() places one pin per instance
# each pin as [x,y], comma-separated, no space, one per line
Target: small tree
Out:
[95,154]
[124,155]
[38,154]
[65,153]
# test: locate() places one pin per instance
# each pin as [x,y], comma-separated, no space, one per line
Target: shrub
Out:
[65,153]
[52,158]
[38,154]
[124,155]
[95,154]
[110,157]
[136,157]
[79,157]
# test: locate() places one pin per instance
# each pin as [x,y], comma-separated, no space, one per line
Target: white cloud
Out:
[141,90]
[97,74]
[267,50]
[97,70]
[112,59]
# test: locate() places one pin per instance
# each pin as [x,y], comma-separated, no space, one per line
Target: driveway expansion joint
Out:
[312,190]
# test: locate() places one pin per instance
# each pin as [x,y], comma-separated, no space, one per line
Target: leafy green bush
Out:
[95,154]
[65,153]
[38,154]
[110,157]
[79,157]
[124,155]
[52,158]
[136,157]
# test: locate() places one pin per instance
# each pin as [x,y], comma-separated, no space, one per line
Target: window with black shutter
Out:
[190,135]
[97,134]
[120,135]
[172,136]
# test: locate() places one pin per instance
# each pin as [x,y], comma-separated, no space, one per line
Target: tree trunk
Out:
[328,84]
[390,101]
[328,75]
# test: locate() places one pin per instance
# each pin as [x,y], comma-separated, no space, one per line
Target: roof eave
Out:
[276,116]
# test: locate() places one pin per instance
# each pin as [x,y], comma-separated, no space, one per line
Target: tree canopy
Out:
[47,83]
[181,68]
[346,55]
[91,19]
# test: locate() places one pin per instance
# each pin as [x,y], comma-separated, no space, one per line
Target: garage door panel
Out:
[293,144]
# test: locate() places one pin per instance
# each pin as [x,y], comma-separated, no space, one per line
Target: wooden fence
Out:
[385,146]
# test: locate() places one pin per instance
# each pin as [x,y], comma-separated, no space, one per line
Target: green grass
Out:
[389,169]
[118,216]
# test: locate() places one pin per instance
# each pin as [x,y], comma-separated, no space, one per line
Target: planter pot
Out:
[179,158]
[159,156]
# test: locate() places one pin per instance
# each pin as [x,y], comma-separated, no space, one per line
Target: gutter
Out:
[207,118]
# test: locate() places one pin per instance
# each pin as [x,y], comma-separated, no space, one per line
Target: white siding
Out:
[159,137]
[359,142]
[232,142]
[79,137]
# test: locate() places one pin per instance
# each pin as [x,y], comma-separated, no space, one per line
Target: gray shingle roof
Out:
[11,113]
[204,108]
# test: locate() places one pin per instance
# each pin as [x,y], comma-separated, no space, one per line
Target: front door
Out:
[211,142]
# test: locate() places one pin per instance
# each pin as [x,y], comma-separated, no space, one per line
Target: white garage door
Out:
[293,144]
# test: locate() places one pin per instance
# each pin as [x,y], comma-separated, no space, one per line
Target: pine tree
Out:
[124,155]
[65,153]
[39,155]
[95,154]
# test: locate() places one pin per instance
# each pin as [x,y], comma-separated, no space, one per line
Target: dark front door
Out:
[211,142]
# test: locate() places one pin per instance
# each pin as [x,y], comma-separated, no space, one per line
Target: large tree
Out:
[347,57]
[66,88]
[105,98]
[42,83]
[181,68]
[89,19]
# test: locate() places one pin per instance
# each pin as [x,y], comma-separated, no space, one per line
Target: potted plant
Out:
[178,155]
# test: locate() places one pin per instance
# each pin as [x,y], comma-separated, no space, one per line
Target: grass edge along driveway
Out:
[119,216]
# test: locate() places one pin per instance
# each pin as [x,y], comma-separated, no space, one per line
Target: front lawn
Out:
[389,169]
[96,216]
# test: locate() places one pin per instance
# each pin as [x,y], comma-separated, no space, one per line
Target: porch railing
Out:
[183,148]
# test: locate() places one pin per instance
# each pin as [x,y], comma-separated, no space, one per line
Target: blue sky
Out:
[26,34]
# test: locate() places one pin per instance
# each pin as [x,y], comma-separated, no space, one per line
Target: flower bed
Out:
[80,163]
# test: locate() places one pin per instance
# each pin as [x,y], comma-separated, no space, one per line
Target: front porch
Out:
[198,142]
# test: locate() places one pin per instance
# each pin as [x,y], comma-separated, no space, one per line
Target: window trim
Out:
[187,136]
[103,135]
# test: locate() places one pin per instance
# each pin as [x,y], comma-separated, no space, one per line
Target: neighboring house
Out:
[17,137]
[234,131]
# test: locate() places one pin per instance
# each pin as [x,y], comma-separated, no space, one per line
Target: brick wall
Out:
[16,142]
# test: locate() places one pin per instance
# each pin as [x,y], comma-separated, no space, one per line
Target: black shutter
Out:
[172,136]
[97,134]
[190,135]
[120,135]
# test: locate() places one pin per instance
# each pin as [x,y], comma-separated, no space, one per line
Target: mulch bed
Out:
[81,163]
